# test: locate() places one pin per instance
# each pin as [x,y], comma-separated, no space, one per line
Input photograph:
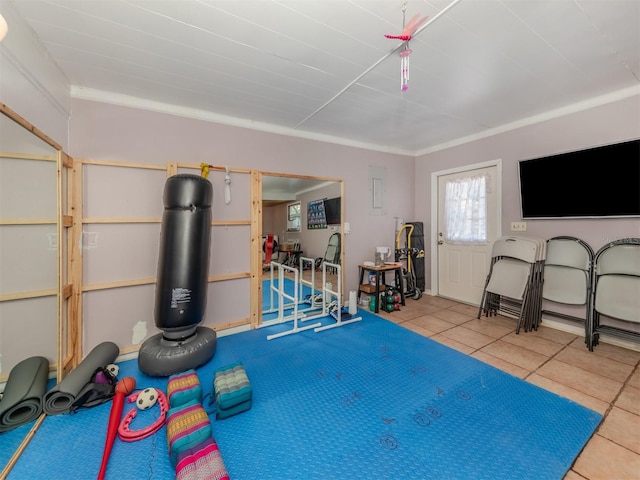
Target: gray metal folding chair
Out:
[332,254]
[616,291]
[513,283]
[568,272]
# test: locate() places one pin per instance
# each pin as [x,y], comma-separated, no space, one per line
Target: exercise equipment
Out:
[274,302]
[181,288]
[100,388]
[409,255]
[332,305]
[269,248]
[22,399]
[328,302]
[333,253]
[232,390]
[204,172]
[184,387]
[187,426]
[60,399]
[125,433]
[279,289]
[390,300]
[312,299]
[201,461]
[418,254]
[147,398]
[123,387]
[227,185]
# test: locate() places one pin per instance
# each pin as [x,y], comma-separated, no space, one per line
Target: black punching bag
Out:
[181,286]
[183,262]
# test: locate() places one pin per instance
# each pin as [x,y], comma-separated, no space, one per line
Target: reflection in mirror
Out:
[293,217]
[290,206]
[29,278]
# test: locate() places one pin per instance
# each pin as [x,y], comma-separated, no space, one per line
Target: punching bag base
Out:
[160,357]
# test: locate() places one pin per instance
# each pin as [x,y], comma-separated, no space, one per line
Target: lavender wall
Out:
[610,123]
[31,84]
[108,132]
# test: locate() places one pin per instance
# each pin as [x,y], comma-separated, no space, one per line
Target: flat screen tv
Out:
[594,183]
[332,211]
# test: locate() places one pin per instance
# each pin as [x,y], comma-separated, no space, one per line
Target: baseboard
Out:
[547,322]
[132,352]
[578,330]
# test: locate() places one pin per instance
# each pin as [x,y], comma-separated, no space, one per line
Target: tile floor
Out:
[606,380]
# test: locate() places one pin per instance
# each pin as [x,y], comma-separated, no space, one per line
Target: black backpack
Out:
[96,393]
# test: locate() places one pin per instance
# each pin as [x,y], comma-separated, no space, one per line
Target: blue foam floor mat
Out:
[367,400]
[11,440]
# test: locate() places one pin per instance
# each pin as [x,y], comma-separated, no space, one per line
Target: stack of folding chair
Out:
[568,272]
[514,283]
[616,288]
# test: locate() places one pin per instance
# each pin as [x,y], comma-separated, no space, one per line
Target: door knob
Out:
[440,242]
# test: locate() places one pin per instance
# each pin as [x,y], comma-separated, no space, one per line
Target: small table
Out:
[380,271]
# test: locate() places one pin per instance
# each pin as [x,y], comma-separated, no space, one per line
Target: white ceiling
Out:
[323,68]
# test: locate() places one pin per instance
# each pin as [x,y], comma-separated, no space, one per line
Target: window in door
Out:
[466,211]
[293,217]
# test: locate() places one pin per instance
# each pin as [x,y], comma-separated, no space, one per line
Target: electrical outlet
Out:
[53,241]
[89,239]
[518,226]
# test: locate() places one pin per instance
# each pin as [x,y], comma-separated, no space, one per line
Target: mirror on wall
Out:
[30,275]
[295,224]
[294,217]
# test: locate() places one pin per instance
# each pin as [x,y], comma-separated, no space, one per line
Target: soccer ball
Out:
[147,398]
[113,369]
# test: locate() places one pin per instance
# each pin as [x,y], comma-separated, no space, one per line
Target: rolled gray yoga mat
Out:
[22,399]
[61,397]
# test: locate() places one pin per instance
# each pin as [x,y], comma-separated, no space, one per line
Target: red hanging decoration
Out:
[407,32]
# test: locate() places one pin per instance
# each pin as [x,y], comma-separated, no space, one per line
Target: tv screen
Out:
[593,183]
[332,211]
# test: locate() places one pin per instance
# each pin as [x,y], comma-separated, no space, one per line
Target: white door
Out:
[462,269]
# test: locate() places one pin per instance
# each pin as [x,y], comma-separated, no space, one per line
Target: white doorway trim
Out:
[434,209]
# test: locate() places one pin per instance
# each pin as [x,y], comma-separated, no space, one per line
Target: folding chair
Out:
[332,254]
[513,283]
[616,291]
[568,276]
[534,316]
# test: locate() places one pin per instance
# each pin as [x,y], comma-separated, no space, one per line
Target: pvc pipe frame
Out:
[327,295]
[283,295]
